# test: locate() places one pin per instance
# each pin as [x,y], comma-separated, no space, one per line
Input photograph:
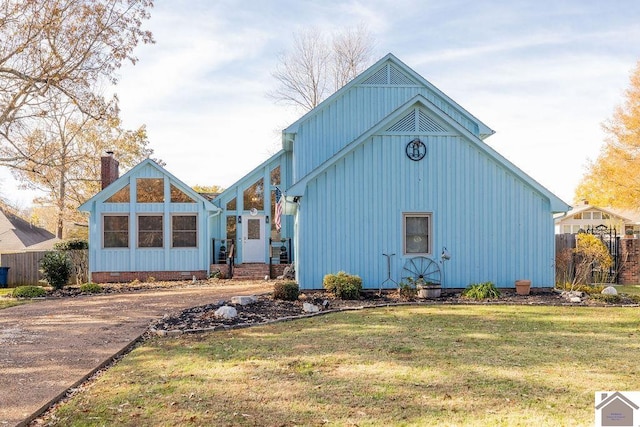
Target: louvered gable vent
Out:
[389,75]
[417,121]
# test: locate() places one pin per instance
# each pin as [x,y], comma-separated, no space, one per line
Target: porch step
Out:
[250,271]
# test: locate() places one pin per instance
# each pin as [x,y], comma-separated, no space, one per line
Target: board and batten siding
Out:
[496,227]
[347,117]
[148,259]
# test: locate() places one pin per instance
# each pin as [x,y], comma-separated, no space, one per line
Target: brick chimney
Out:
[109,169]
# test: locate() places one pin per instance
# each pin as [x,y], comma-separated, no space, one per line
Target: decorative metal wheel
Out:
[421,269]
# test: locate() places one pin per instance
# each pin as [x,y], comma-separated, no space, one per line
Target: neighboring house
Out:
[387,165]
[17,234]
[586,216]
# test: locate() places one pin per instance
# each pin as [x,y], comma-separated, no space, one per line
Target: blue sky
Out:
[543,74]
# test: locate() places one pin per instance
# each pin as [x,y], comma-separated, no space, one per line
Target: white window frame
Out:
[429,216]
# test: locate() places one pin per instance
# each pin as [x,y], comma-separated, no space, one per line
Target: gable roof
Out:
[628,216]
[124,179]
[298,188]
[249,177]
[18,234]
[412,78]
[614,396]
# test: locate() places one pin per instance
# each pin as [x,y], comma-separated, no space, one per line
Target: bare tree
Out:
[352,52]
[64,49]
[316,63]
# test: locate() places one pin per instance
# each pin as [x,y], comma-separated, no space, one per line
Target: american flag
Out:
[278,212]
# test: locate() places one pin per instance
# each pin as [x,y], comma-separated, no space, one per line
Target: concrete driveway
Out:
[49,346]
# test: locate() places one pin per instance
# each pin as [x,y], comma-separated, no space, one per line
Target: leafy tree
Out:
[63,49]
[61,157]
[614,178]
[316,65]
[591,254]
[208,188]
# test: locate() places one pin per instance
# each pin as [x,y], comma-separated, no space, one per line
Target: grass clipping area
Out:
[411,365]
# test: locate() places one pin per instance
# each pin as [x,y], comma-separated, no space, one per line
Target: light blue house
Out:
[387,165]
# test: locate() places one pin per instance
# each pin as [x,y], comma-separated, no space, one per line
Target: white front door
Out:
[253,236]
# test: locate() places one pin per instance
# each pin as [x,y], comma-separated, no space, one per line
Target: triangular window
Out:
[120,196]
[179,196]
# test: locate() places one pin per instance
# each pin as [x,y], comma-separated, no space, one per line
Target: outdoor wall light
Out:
[266,219]
[445,254]
[239,219]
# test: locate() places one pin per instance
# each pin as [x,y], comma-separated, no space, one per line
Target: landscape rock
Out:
[610,290]
[226,312]
[244,300]
[575,299]
[310,308]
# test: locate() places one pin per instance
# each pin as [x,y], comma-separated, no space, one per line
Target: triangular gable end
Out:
[390,71]
[419,120]
[389,74]
[421,103]
[154,171]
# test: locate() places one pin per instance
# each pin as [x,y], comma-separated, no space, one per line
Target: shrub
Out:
[343,285]
[91,288]
[479,291]
[609,299]
[407,290]
[151,279]
[56,269]
[587,289]
[28,292]
[287,291]
[71,245]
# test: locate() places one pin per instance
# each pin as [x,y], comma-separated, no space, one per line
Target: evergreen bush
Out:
[287,291]
[56,269]
[28,292]
[343,285]
[90,288]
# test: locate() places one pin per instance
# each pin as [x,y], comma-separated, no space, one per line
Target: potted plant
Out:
[427,289]
[523,287]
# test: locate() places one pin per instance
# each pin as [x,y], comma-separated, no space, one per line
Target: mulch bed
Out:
[267,309]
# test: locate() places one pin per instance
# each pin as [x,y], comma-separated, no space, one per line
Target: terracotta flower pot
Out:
[523,287]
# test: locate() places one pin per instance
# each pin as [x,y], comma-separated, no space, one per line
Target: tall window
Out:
[253,196]
[150,231]
[150,190]
[417,233]
[184,231]
[116,231]
[231,205]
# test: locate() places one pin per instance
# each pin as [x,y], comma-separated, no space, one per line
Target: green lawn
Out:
[412,365]
[6,302]
[628,289]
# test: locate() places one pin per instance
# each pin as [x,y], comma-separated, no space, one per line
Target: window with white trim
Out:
[149,231]
[115,231]
[184,231]
[417,234]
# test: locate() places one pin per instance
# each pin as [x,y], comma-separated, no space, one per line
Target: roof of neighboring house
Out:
[629,216]
[18,234]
